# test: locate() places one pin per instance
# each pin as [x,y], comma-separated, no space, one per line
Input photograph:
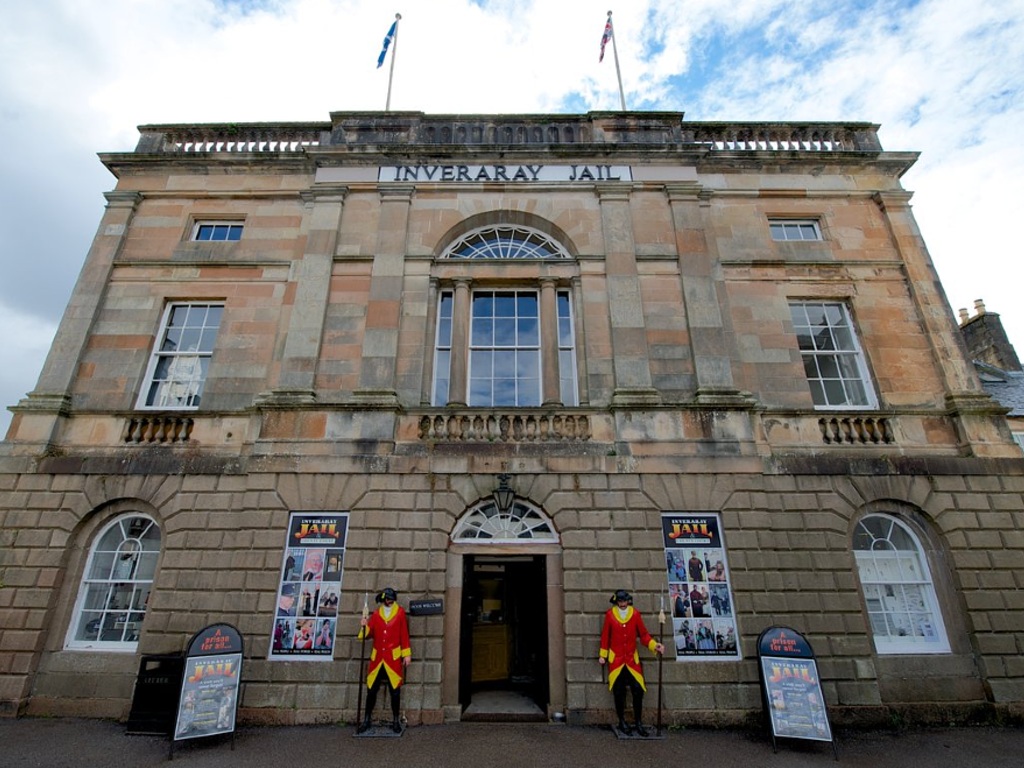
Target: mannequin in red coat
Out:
[390,657]
[623,625]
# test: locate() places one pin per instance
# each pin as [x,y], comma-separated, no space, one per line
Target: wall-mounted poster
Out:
[306,617]
[699,589]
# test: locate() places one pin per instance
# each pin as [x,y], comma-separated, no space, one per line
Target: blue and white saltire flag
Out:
[387,43]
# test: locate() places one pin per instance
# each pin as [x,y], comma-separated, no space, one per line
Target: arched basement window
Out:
[521,524]
[898,589]
[506,241]
[115,588]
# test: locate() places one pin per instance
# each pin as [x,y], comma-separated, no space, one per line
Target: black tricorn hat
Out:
[621,594]
[386,592]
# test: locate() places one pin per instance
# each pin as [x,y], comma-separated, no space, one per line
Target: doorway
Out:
[503,653]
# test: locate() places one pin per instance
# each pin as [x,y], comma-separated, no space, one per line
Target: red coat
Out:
[390,645]
[618,643]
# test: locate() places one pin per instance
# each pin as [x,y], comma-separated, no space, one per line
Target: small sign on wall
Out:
[426,607]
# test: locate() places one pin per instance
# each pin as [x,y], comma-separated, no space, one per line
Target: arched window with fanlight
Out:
[898,590]
[116,585]
[519,523]
[498,346]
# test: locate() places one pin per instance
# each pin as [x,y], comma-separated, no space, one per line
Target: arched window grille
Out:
[115,589]
[898,590]
[520,524]
[506,241]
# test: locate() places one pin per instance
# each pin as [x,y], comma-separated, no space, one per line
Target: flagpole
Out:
[618,72]
[394,55]
[362,662]
[661,661]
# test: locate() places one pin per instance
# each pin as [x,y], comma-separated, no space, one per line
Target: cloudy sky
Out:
[942,77]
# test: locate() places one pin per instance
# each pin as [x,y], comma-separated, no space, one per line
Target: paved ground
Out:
[55,743]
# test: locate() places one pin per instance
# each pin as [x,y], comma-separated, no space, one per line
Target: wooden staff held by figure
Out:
[661,658]
[362,660]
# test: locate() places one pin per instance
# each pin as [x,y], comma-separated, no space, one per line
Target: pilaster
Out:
[978,418]
[312,280]
[377,384]
[36,416]
[704,297]
[630,355]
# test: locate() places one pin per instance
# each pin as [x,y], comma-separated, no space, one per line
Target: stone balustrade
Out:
[231,138]
[788,137]
[662,129]
[518,426]
[856,430]
[157,428]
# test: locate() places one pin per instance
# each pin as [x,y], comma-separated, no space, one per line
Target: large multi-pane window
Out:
[834,363]
[504,346]
[115,589]
[505,353]
[898,590]
[566,351]
[181,356]
[504,349]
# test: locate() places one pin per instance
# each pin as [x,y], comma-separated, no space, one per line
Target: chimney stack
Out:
[986,340]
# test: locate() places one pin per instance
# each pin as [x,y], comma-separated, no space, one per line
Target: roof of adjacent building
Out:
[1007,387]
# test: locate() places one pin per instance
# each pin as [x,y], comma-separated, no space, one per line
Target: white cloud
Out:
[943,77]
[26,342]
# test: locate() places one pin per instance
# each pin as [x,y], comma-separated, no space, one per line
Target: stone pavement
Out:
[55,743]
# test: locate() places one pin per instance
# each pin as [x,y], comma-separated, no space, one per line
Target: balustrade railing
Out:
[798,137]
[862,430]
[158,428]
[412,129]
[233,138]
[505,427]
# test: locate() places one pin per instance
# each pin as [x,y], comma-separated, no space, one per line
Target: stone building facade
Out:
[507,365]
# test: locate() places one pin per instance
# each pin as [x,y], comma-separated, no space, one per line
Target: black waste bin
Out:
[155,703]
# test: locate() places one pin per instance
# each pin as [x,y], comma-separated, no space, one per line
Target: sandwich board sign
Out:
[209,687]
[791,687]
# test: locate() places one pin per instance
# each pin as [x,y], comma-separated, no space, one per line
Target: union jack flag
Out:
[605,37]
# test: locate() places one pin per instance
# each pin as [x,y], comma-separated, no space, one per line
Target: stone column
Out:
[312,279]
[704,296]
[633,383]
[550,385]
[457,376]
[450,643]
[978,417]
[35,417]
[383,311]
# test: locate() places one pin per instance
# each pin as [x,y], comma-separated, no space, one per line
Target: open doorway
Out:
[503,651]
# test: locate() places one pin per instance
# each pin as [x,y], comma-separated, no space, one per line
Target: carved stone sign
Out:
[433,174]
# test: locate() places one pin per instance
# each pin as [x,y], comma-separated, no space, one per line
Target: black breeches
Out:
[625,681]
[371,697]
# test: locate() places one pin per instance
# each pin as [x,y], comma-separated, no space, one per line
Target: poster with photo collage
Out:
[699,589]
[309,591]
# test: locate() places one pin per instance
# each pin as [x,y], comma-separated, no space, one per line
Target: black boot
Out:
[624,727]
[640,730]
[396,725]
[365,725]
